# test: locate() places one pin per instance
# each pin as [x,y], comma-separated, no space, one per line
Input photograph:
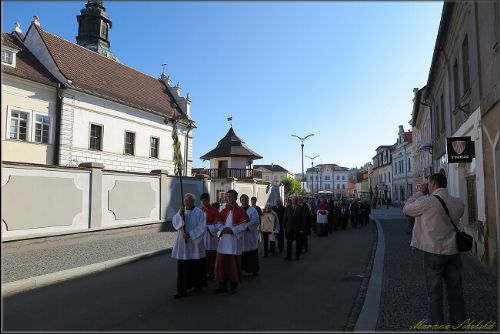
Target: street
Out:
[316,293]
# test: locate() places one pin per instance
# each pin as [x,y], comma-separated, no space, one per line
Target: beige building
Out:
[273,173]
[463,91]
[29,101]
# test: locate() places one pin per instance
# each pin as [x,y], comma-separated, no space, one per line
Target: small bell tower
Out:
[93,28]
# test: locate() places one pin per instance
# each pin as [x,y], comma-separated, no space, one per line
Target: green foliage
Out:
[292,186]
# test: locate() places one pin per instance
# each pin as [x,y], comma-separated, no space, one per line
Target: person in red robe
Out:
[321,212]
[229,249]
[210,239]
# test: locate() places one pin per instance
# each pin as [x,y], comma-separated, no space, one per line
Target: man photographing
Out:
[434,234]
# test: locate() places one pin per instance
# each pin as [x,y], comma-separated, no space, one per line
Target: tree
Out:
[292,186]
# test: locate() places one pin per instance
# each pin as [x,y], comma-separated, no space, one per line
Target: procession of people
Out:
[221,240]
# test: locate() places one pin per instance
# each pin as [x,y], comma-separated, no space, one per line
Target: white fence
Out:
[39,200]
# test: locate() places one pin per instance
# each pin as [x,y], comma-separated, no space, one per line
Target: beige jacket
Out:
[433,231]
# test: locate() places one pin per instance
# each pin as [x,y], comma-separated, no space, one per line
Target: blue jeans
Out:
[447,269]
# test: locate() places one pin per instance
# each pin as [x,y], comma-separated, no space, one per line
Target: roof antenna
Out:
[163,69]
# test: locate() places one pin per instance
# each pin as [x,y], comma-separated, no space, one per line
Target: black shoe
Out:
[180,295]
[288,259]
[197,289]
[233,291]
[210,277]
[255,273]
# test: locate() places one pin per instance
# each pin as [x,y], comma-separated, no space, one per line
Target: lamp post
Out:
[302,146]
[312,171]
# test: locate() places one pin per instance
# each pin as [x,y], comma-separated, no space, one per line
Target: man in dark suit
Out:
[294,223]
[279,208]
[343,215]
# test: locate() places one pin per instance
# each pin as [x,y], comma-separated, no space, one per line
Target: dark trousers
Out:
[191,274]
[268,244]
[343,222]
[305,242]
[445,269]
[290,238]
[281,240]
[250,261]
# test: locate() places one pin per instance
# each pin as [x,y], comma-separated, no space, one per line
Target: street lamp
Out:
[302,146]
[312,171]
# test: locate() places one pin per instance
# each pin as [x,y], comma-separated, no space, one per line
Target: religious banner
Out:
[460,149]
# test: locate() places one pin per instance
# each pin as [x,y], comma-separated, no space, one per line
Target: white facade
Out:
[81,110]
[402,169]
[328,177]
[232,162]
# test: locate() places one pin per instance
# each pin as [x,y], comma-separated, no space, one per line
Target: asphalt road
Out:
[317,293]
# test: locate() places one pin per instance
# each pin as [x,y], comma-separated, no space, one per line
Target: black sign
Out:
[460,149]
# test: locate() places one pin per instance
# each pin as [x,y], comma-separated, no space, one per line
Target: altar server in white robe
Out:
[189,248]
[228,262]
[250,255]
[211,240]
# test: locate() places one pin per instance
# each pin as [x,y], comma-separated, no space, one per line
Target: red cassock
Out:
[228,267]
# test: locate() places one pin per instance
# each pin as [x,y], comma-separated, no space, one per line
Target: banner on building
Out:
[460,149]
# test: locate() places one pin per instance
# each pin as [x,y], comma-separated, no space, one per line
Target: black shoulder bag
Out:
[464,241]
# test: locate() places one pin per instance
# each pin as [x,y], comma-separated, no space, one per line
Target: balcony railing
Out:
[239,173]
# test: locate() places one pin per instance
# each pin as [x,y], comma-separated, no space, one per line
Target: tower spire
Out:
[93,28]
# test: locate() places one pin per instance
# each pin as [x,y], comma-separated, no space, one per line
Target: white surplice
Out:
[228,243]
[194,248]
[322,219]
[211,240]
[251,237]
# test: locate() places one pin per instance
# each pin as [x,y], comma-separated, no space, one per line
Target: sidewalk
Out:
[402,291]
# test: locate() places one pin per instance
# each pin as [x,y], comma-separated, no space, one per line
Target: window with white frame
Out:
[154,145]
[19,122]
[42,129]
[8,58]
[96,137]
[129,143]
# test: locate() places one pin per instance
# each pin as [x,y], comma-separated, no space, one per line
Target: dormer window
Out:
[8,57]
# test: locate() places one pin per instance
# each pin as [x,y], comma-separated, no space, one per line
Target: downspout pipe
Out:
[57,122]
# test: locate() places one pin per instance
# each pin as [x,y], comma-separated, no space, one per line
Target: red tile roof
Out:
[27,66]
[94,73]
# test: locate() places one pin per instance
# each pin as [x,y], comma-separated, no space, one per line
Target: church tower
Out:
[93,28]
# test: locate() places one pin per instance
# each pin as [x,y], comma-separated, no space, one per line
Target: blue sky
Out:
[344,71]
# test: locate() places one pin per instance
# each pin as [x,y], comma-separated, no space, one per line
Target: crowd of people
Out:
[221,240]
